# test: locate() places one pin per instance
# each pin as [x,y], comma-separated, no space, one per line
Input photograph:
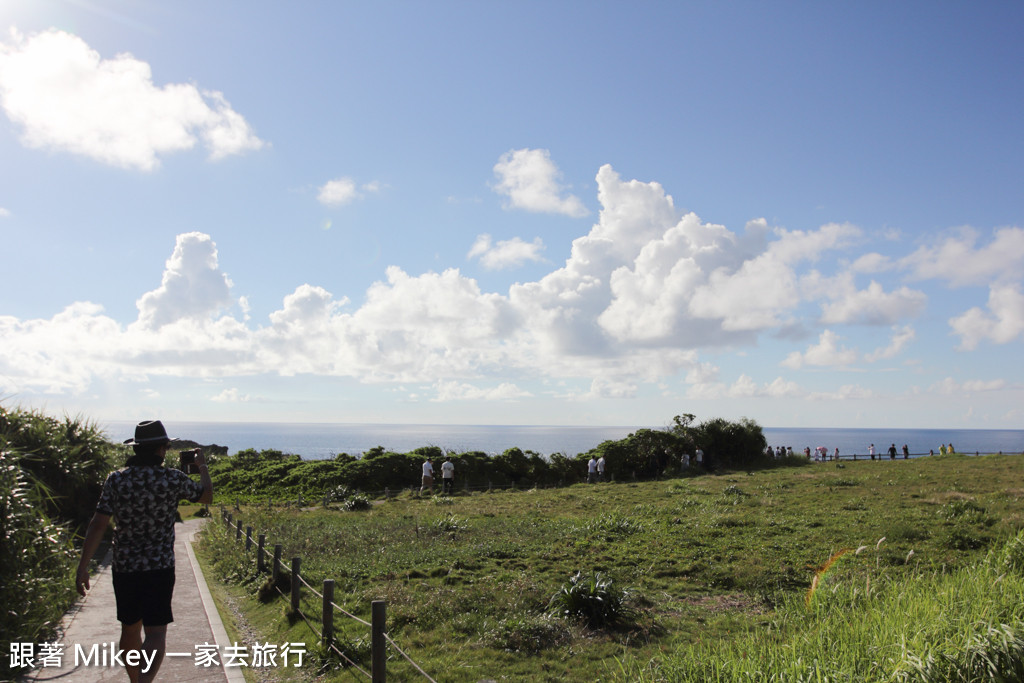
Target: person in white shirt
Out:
[447,476]
[600,468]
[592,471]
[428,477]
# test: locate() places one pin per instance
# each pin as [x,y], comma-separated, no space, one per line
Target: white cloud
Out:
[4,213]
[872,306]
[826,353]
[763,290]
[958,261]
[458,391]
[871,263]
[345,190]
[232,395]
[66,97]
[505,253]
[1002,323]
[193,285]
[640,293]
[950,387]
[530,180]
[900,338]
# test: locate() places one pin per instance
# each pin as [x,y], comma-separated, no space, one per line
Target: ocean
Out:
[317,441]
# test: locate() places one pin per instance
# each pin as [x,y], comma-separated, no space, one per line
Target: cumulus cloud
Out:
[65,96]
[530,181]
[826,353]
[193,285]
[643,291]
[344,190]
[763,290]
[960,262]
[505,253]
[872,306]
[1001,323]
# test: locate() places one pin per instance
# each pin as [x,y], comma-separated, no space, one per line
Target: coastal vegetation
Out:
[874,571]
[252,476]
[51,471]
[749,569]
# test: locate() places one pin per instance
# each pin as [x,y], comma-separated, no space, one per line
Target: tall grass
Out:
[961,625]
[51,472]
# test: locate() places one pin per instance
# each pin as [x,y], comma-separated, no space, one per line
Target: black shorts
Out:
[144,595]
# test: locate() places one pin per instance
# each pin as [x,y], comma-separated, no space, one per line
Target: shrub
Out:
[357,503]
[590,598]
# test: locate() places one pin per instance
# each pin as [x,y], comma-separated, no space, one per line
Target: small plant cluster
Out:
[592,599]
[357,503]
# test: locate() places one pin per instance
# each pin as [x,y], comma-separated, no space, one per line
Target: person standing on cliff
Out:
[143,499]
[448,476]
[427,480]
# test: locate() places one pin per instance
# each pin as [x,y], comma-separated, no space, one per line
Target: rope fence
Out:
[379,638]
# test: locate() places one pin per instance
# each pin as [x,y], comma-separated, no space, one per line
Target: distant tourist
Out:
[143,499]
[684,462]
[892,452]
[592,470]
[942,449]
[950,449]
[871,451]
[447,476]
[789,451]
[835,456]
[906,452]
[700,458]
[427,484]
[600,468]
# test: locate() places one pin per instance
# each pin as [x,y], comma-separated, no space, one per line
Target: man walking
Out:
[143,499]
[427,480]
[447,476]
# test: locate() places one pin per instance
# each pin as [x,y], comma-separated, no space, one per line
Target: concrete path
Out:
[93,621]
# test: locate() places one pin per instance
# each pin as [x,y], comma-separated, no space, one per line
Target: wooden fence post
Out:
[296,583]
[378,645]
[248,538]
[261,565]
[328,611]
[238,531]
[276,569]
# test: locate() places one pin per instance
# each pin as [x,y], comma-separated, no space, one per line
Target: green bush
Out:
[51,473]
[590,598]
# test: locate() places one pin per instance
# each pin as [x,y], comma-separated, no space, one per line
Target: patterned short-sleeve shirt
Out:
[144,504]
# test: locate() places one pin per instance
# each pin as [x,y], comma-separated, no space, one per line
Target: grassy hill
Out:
[710,576]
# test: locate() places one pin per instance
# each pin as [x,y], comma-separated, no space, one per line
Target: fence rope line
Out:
[330,646]
[354,665]
[319,634]
[349,615]
[408,658]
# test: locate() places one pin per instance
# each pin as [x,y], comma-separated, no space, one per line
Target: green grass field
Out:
[713,573]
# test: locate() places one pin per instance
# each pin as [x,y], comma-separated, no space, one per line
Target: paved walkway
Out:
[196,622]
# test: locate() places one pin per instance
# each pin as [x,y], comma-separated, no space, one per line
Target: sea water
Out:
[317,441]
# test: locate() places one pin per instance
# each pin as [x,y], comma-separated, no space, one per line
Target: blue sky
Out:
[808,214]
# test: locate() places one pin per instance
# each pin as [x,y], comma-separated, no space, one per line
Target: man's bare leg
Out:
[155,643]
[131,639]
